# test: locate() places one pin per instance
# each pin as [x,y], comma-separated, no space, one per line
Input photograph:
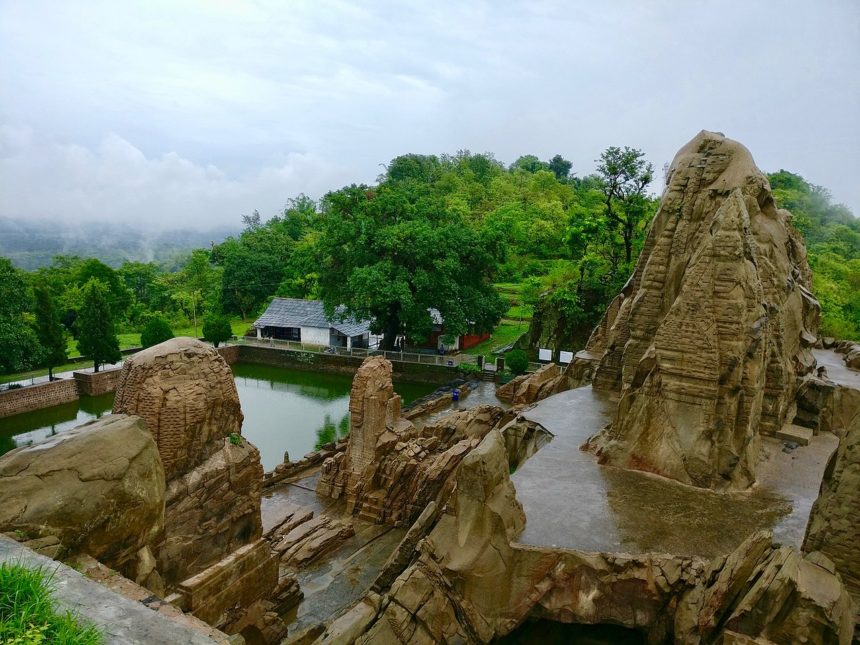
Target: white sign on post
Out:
[544,354]
[565,357]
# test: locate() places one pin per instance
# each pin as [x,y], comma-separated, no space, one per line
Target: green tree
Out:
[517,361]
[560,167]
[19,345]
[216,329]
[156,331]
[392,253]
[96,331]
[49,330]
[529,163]
[624,176]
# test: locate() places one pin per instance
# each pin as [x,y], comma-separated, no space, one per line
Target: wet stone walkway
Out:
[572,502]
[338,578]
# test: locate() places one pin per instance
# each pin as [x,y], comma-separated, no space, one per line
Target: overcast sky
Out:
[195,112]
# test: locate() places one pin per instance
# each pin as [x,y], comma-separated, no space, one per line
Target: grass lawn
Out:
[126,341]
[519,312]
[28,614]
[129,340]
[505,334]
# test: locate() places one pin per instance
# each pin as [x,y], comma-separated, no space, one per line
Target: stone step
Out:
[798,434]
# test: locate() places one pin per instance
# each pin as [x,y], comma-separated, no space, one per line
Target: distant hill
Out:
[31,244]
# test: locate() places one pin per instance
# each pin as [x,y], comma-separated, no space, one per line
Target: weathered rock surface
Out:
[767,592]
[211,510]
[528,388]
[834,523]
[390,470]
[707,339]
[301,542]
[468,581]
[211,552]
[184,391]
[98,488]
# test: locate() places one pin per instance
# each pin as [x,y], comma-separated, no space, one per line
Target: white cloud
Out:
[115,181]
[214,99]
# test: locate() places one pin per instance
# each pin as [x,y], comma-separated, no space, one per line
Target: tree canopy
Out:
[96,332]
[392,253]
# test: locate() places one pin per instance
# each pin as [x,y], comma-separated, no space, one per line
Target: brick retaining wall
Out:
[94,384]
[316,362]
[229,353]
[36,397]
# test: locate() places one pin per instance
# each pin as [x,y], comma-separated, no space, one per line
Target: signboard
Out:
[544,354]
[565,357]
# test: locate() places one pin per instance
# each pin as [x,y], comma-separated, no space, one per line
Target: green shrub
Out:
[235,439]
[469,368]
[28,615]
[517,361]
[216,329]
[156,331]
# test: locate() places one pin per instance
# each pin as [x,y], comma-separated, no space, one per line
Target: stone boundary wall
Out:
[311,361]
[36,397]
[45,395]
[229,353]
[94,384]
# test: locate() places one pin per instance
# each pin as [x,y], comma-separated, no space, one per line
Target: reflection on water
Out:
[295,410]
[329,432]
[32,427]
[285,410]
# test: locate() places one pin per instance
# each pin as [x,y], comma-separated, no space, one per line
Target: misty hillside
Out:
[32,244]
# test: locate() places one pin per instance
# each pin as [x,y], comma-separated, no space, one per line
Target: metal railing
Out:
[359,352]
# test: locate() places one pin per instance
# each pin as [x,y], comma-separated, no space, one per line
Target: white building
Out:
[305,321]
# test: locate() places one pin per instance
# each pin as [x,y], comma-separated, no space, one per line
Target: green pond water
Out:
[285,410]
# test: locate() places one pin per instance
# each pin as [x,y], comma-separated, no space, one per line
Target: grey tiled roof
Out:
[290,312]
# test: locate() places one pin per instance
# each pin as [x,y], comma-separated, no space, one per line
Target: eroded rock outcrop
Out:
[469,581]
[97,489]
[529,388]
[210,554]
[768,592]
[834,523]
[707,339]
[185,393]
[391,470]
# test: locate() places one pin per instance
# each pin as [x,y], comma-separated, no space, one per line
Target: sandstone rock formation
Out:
[767,592]
[211,554]
[834,523]
[97,489]
[706,340]
[391,470]
[529,388]
[185,393]
[469,581]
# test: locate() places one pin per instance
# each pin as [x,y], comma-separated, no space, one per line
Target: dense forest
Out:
[483,243]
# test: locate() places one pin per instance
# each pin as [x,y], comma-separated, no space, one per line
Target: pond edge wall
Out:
[45,395]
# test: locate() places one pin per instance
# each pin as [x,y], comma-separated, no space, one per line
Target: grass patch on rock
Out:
[29,615]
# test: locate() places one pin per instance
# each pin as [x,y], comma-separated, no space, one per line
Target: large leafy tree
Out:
[96,332]
[19,346]
[392,253]
[624,176]
[49,330]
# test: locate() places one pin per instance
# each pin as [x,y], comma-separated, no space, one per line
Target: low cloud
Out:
[115,181]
